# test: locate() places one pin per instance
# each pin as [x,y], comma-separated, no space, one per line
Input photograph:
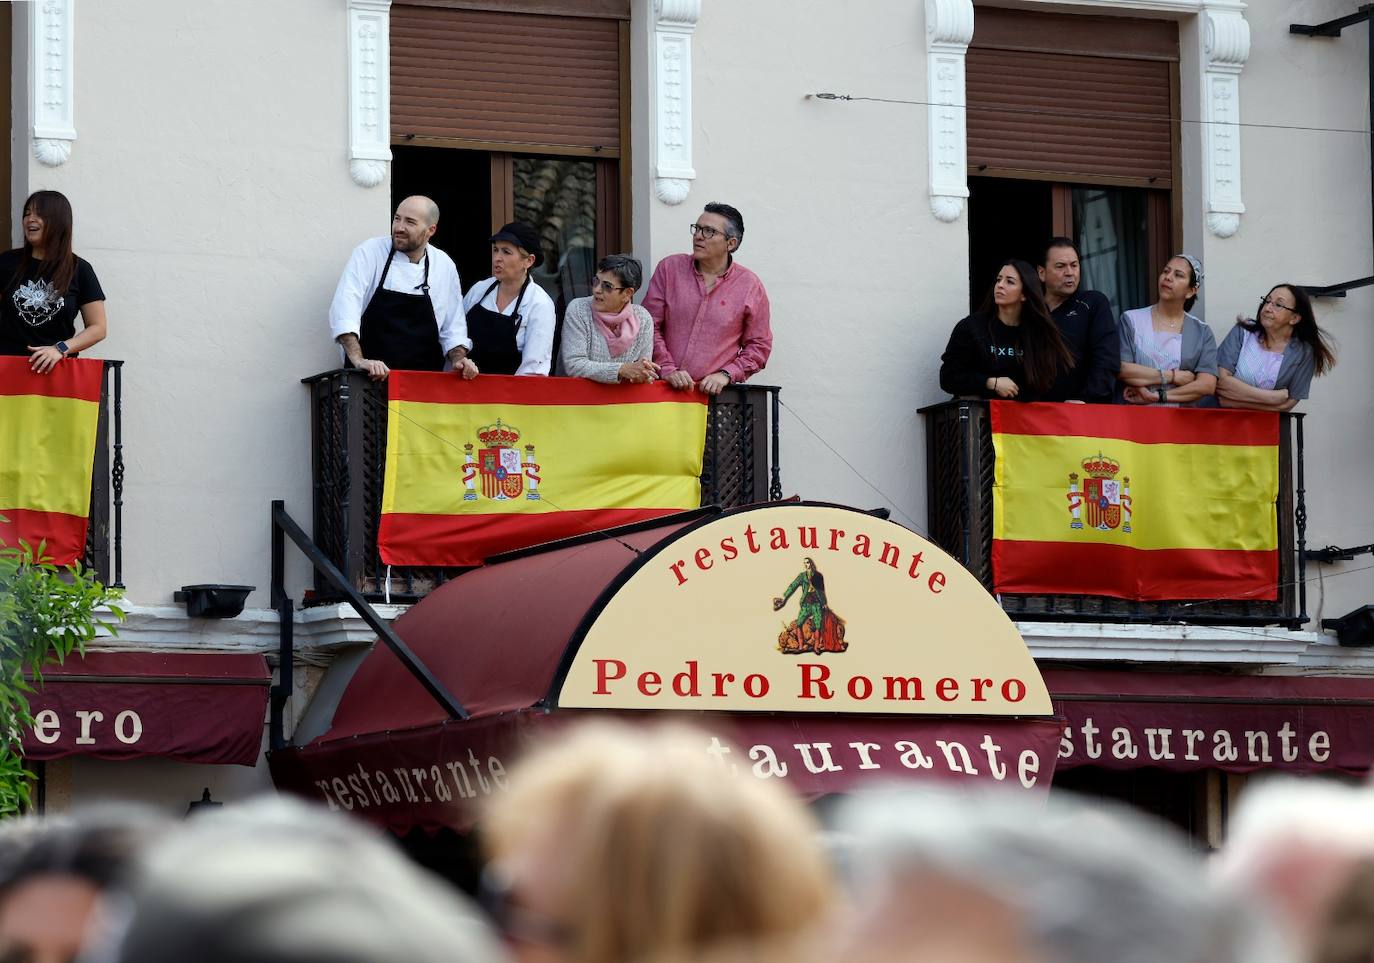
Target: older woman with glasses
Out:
[1267,364]
[607,337]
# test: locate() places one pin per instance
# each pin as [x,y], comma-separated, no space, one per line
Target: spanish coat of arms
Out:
[1103,500]
[499,465]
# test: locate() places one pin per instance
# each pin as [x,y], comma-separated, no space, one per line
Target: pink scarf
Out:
[618,329]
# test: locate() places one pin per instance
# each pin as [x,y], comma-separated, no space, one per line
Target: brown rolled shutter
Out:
[495,79]
[1065,97]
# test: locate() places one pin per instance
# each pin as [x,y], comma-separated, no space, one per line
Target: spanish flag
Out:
[474,468]
[1135,503]
[47,452]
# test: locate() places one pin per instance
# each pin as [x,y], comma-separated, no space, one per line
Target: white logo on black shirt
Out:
[37,302]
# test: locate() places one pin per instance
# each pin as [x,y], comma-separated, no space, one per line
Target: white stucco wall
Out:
[212,195]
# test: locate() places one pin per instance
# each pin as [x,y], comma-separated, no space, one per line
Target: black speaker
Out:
[1353,628]
[213,601]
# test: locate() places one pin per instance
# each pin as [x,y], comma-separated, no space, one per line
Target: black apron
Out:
[400,330]
[494,350]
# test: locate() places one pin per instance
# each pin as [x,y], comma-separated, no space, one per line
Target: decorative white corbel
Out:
[1226,46]
[949,28]
[50,79]
[369,90]
[674,22]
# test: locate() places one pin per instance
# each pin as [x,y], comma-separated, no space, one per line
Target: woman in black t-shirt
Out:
[1010,347]
[46,286]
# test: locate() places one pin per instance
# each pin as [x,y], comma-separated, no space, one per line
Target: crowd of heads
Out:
[620,844]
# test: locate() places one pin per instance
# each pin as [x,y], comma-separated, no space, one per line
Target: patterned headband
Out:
[1196,265]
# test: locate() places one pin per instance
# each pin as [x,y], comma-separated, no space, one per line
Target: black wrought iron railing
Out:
[959,482]
[348,415]
[104,553]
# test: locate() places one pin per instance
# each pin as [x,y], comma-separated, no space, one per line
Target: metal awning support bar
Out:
[284,527]
[1337,290]
[1333,28]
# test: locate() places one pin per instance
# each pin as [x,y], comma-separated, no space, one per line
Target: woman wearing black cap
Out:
[511,319]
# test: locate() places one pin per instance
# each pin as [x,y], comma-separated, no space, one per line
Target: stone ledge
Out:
[320,630]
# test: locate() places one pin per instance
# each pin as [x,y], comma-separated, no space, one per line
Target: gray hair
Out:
[277,881]
[98,845]
[734,220]
[1088,884]
[1288,827]
[627,270]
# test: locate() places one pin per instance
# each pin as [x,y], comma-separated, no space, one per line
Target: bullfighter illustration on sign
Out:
[816,628]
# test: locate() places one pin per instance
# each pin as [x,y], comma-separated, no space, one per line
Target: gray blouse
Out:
[585,354]
[1197,352]
[1295,371]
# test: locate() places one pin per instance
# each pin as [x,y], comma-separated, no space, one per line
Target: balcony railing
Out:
[104,553]
[959,476]
[348,416]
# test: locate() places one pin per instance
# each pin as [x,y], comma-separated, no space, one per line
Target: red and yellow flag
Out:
[47,451]
[474,468]
[1135,503]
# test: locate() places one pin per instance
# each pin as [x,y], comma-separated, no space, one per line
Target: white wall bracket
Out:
[369,90]
[51,80]
[1226,47]
[949,28]
[674,21]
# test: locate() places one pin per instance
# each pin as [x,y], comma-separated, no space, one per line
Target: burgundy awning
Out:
[1190,722]
[204,708]
[498,638]
[439,776]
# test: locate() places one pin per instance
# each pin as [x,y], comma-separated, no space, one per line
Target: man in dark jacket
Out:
[1085,320]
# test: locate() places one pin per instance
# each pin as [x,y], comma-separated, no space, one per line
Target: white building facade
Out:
[223,160]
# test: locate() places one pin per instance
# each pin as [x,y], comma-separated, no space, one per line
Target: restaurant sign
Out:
[803,608]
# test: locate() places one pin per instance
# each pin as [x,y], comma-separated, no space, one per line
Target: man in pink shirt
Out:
[710,314]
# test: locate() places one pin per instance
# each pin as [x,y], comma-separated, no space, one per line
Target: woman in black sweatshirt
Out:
[1010,348]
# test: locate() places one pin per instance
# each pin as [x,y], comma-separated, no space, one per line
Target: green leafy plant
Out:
[46,613]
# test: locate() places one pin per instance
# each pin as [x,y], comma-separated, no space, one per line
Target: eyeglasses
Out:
[1277,304]
[605,287]
[706,233]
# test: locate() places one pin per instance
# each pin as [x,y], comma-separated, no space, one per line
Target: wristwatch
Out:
[62,348]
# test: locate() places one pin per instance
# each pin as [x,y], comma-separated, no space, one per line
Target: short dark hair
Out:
[627,270]
[1058,240]
[734,226]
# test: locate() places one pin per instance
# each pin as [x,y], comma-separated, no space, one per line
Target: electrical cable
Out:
[1088,114]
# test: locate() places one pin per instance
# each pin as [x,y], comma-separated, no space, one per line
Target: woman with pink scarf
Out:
[607,337]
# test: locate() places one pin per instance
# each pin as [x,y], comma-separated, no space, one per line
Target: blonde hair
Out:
[666,852]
